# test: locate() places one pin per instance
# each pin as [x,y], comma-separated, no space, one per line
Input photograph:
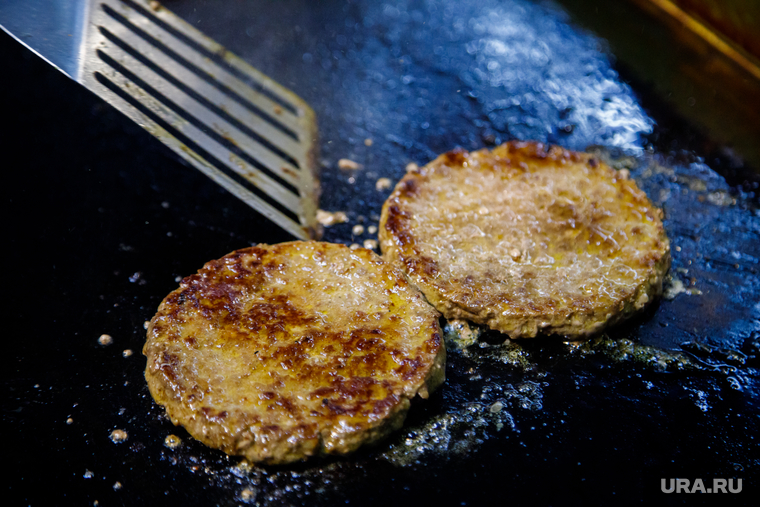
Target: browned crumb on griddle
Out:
[328,218]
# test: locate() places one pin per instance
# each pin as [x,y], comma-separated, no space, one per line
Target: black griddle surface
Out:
[104,219]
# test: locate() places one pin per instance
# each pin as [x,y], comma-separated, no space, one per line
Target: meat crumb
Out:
[348,164]
[105,339]
[328,218]
[370,244]
[383,184]
[172,441]
[119,436]
[248,495]
[358,230]
[368,142]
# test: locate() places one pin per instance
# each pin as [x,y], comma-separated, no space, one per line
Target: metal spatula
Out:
[230,121]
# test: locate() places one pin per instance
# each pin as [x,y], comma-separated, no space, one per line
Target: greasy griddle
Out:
[104,220]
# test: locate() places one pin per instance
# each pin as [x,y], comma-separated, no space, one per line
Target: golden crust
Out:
[527,238]
[285,351]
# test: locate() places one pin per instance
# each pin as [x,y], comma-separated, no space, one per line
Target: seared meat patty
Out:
[279,352]
[527,238]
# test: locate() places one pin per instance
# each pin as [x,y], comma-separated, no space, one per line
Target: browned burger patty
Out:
[279,352]
[527,238]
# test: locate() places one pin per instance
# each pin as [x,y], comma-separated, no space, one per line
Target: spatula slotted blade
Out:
[250,135]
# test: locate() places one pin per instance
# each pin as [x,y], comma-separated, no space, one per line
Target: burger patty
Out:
[279,352]
[527,239]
